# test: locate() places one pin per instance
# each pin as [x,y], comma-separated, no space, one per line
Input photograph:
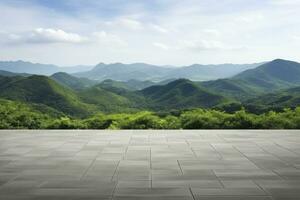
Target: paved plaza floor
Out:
[150,165]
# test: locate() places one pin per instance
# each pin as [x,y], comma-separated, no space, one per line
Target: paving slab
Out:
[146,165]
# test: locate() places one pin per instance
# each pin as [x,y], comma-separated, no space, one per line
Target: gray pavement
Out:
[150,165]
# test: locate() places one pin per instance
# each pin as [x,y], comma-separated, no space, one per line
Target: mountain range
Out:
[127,72]
[146,72]
[274,84]
[39,69]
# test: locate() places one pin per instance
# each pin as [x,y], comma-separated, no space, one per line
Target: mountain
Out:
[271,76]
[181,94]
[112,99]
[72,81]
[275,84]
[131,85]
[43,90]
[289,98]
[7,73]
[125,72]
[199,72]
[142,72]
[229,87]
[36,68]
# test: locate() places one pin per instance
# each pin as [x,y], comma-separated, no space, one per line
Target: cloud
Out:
[250,18]
[45,36]
[296,37]
[285,2]
[212,32]
[48,36]
[103,37]
[161,45]
[159,29]
[207,45]
[127,23]
[41,35]
[212,29]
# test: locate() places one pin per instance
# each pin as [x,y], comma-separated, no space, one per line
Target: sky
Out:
[161,32]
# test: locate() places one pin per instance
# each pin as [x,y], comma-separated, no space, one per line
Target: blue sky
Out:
[163,32]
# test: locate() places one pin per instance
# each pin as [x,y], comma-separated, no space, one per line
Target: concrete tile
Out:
[140,164]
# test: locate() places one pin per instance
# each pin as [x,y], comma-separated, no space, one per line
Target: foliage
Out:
[15,115]
[181,94]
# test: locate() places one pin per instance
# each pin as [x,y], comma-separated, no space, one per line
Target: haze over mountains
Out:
[136,71]
[37,68]
[271,85]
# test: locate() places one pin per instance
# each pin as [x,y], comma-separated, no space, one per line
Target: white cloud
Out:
[161,45]
[207,45]
[159,29]
[127,23]
[204,45]
[103,37]
[213,29]
[250,18]
[212,32]
[41,35]
[46,36]
[296,37]
[285,2]
[131,24]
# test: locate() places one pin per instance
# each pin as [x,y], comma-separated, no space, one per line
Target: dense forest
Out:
[21,116]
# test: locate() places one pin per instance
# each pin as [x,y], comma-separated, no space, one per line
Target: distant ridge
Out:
[9,74]
[146,72]
[135,71]
[37,68]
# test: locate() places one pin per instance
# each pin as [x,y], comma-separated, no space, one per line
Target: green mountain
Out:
[7,73]
[131,85]
[43,90]
[271,76]
[112,100]
[72,81]
[289,98]
[230,88]
[181,94]
[75,96]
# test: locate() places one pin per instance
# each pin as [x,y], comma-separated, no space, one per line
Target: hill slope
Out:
[7,73]
[289,98]
[278,74]
[230,88]
[181,94]
[131,85]
[112,99]
[43,90]
[72,81]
